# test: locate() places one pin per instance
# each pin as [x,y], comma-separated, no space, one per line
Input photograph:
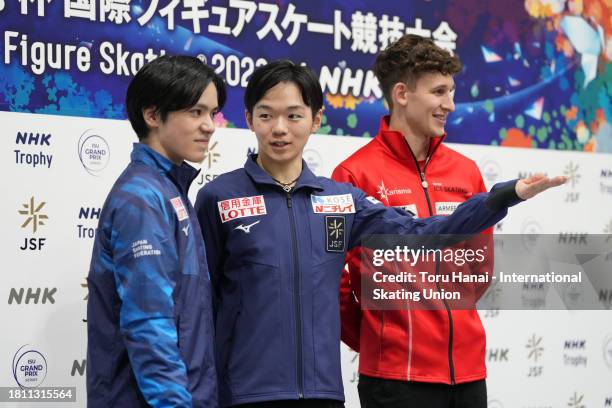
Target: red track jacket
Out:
[436,346]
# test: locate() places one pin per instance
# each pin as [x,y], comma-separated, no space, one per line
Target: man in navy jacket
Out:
[150,326]
[276,240]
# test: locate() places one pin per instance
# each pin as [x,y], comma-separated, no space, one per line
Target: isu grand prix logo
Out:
[94,152]
[29,367]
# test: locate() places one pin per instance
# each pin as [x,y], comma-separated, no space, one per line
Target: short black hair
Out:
[268,76]
[169,83]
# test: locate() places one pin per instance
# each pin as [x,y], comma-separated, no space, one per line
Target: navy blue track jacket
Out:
[150,327]
[276,258]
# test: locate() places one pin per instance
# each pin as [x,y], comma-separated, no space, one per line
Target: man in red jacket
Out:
[414,358]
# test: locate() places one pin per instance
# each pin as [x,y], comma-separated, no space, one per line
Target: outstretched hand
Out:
[533,185]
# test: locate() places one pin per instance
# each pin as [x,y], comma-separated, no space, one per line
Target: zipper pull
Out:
[424,182]
[289,201]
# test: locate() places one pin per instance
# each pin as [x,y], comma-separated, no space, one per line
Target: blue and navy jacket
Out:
[276,258]
[150,327]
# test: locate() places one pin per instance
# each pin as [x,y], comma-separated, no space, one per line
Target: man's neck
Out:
[419,144]
[283,172]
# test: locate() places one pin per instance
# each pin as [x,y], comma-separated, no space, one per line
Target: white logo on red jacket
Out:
[179,208]
[384,192]
[241,207]
[333,204]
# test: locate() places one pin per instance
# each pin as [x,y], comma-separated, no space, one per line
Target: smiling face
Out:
[183,135]
[426,105]
[282,123]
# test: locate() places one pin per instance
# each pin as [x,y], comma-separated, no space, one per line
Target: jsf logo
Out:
[33,214]
[571,171]
[576,401]
[534,345]
[211,156]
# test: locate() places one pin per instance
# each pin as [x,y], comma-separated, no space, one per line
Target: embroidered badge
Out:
[333,204]
[335,228]
[241,207]
[179,208]
[446,207]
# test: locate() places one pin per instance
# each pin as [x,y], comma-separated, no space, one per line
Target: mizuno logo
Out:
[186,230]
[246,228]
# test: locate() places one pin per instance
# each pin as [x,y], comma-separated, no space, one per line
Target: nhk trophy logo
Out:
[29,367]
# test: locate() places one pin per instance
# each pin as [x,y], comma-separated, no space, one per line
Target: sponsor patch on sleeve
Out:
[411,208]
[179,208]
[335,227]
[241,207]
[446,207]
[333,204]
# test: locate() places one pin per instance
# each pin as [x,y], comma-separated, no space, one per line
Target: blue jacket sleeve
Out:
[472,216]
[146,271]
[206,210]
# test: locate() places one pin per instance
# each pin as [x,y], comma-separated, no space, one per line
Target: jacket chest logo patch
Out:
[333,204]
[446,207]
[179,208]
[385,193]
[451,189]
[335,227]
[241,207]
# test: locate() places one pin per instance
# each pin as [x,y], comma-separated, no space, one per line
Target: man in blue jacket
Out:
[276,240]
[150,326]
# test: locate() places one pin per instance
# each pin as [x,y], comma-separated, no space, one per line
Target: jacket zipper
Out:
[296,297]
[425,186]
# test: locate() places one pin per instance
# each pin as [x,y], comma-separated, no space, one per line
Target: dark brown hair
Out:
[410,57]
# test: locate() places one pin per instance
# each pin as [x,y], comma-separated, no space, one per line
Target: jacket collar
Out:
[182,176]
[396,143]
[259,176]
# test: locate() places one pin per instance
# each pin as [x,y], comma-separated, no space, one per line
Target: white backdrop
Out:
[55,183]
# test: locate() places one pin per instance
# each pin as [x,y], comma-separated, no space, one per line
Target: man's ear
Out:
[400,94]
[151,117]
[249,119]
[316,120]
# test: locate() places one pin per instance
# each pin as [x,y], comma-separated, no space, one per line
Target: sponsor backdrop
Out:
[58,170]
[537,75]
